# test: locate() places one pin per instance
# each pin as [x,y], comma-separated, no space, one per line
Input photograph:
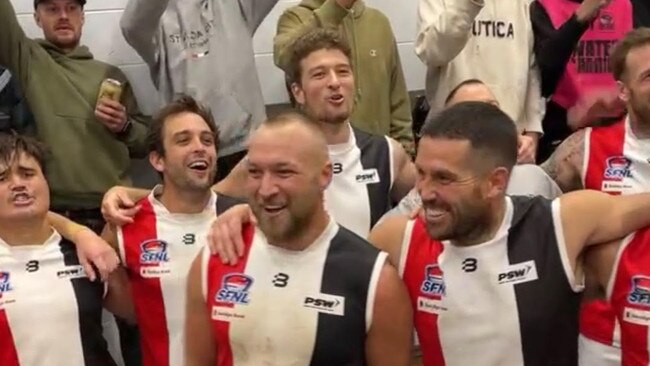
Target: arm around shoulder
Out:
[388,236]
[565,164]
[404,171]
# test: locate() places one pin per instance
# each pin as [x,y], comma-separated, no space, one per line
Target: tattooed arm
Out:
[565,165]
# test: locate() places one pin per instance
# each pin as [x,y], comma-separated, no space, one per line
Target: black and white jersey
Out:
[50,313]
[359,193]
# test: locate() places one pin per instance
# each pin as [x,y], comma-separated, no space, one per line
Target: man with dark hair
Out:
[612,159]
[307,291]
[170,226]
[370,171]
[91,140]
[381,100]
[41,280]
[494,277]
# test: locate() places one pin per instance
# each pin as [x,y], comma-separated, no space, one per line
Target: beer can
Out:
[110,89]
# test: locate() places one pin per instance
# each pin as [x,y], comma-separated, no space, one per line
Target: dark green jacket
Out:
[61,90]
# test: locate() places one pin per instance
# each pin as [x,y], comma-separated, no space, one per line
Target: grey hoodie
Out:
[203,48]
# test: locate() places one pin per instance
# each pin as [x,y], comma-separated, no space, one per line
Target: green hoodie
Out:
[61,90]
[382,103]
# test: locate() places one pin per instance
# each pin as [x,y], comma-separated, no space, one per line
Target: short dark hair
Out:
[488,129]
[313,40]
[618,57]
[453,93]
[184,104]
[12,145]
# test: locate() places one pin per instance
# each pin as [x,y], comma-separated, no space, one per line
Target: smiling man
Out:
[170,226]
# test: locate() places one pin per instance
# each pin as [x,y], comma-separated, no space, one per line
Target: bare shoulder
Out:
[388,236]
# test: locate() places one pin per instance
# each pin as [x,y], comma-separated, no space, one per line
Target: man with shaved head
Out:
[307,291]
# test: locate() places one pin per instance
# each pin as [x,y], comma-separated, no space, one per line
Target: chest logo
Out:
[5,283]
[617,168]
[71,272]
[325,303]
[234,289]
[640,291]
[153,251]
[368,176]
[433,283]
[518,273]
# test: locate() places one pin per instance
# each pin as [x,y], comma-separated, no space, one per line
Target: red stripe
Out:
[146,292]
[597,319]
[8,353]
[215,273]
[423,252]
[634,261]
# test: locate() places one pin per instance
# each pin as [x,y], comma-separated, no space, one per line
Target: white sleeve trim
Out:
[585,156]
[391,161]
[205,258]
[612,277]
[561,246]
[372,287]
[404,248]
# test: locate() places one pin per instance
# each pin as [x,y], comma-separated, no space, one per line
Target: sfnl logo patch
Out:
[518,273]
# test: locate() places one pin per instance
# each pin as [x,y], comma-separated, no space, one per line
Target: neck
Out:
[184,202]
[485,232]
[309,234]
[25,232]
[335,133]
[640,128]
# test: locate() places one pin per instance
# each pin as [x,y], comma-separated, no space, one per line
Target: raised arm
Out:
[140,23]
[15,48]
[199,340]
[404,172]
[444,26]
[389,340]
[293,22]
[255,11]
[565,165]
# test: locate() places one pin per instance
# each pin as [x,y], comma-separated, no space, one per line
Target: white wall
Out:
[103,37]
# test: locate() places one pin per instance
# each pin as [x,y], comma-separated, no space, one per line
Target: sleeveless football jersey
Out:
[359,193]
[157,250]
[629,294]
[280,307]
[50,313]
[616,162]
[491,303]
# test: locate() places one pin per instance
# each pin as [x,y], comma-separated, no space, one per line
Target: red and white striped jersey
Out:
[50,313]
[615,162]
[629,294]
[157,250]
[280,307]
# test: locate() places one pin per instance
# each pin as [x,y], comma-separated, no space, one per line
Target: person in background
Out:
[489,40]
[381,100]
[14,113]
[641,13]
[573,39]
[204,48]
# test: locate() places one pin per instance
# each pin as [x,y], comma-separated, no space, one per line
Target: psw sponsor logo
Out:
[71,272]
[518,273]
[368,176]
[433,283]
[324,303]
[153,251]
[617,168]
[640,292]
[5,284]
[234,288]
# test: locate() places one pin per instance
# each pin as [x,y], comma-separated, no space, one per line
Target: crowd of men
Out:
[341,231]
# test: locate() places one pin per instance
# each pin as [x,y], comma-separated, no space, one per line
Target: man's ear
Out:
[497,182]
[157,161]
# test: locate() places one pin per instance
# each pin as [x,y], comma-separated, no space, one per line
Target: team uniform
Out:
[492,302]
[629,293]
[359,193]
[50,313]
[616,162]
[280,307]
[157,250]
